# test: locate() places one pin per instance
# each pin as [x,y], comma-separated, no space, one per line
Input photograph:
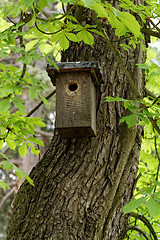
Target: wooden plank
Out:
[75,108]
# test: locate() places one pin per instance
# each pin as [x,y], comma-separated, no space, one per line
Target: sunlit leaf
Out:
[4,105]
[133,204]
[153,206]
[4,185]
[23,149]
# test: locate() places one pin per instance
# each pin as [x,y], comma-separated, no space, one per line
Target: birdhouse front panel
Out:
[75,104]
[76,86]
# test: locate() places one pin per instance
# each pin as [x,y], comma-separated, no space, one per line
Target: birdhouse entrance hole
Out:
[77,85]
[73,86]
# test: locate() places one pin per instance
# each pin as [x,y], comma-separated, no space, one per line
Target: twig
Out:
[154,25]
[153,122]
[23,46]
[47,134]
[63,8]
[39,104]
[11,20]
[24,21]
[150,94]
[146,222]
[134,228]
[8,195]
[150,32]
[157,154]
[156,100]
[47,33]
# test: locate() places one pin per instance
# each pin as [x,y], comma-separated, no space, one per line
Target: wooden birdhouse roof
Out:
[93,67]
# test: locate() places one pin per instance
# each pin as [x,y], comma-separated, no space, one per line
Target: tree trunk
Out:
[82,184]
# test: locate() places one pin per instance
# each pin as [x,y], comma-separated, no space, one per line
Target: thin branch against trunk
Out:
[150,94]
[134,228]
[43,133]
[150,32]
[146,222]
[158,157]
[8,195]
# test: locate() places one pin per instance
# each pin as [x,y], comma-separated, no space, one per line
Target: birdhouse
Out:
[76,84]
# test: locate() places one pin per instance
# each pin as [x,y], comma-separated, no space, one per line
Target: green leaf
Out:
[4,156]
[153,205]
[55,37]
[4,105]
[33,149]
[27,3]
[98,8]
[71,36]
[29,179]
[31,44]
[20,106]
[97,32]
[63,41]
[4,185]
[32,93]
[120,28]
[46,48]
[37,122]
[131,23]
[27,60]
[143,118]
[11,144]
[133,204]
[43,99]
[12,68]
[21,174]
[88,3]
[23,149]
[35,140]
[131,120]
[42,4]
[86,36]
[7,165]
[1,144]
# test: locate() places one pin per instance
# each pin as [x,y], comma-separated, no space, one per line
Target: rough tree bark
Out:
[82,184]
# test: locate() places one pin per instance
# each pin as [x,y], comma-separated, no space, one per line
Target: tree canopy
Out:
[33,30]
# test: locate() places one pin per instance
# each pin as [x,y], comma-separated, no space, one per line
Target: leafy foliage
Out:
[29,33]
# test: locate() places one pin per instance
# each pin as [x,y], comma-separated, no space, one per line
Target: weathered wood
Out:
[75,104]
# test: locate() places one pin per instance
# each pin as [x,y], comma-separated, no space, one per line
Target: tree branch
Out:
[39,104]
[23,46]
[150,32]
[8,195]
[156,100]
[47,134]
[146,222]
[150,94]
[154,25]
[157,154]
[134,228]
[47,33]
